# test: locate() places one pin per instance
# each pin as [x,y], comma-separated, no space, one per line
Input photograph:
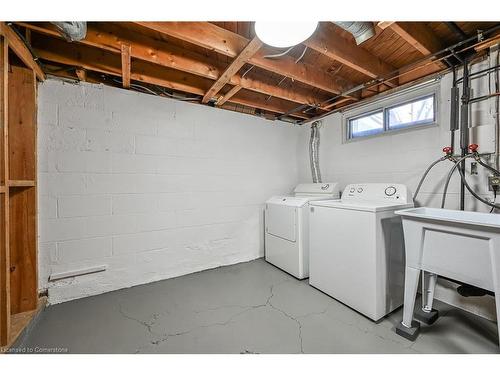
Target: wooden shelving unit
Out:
[18,189]
[20,183]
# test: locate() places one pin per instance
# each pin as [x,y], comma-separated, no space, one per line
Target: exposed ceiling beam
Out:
[229,95]
[295,94]
[338,102]
[243,98]
[420,36]
[331,44]
[230,44]
[142,47]
[20,49]
[202,34]
[488,43]
[251,48]
[92,59]
[170,56]
[100,61]
[126,63]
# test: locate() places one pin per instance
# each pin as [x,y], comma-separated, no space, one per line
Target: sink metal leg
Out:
[497,303]
[409,328]
[495,262]
[427,314]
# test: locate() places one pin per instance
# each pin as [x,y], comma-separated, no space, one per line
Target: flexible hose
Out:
[448,178]
[314,152]
[474,193]
[488,166]
[425,175]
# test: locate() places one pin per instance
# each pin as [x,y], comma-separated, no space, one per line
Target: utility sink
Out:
[461,245]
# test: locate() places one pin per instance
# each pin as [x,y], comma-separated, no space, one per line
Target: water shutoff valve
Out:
[473,147]
[448,150]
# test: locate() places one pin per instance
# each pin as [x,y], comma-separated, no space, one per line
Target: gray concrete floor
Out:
[245,308]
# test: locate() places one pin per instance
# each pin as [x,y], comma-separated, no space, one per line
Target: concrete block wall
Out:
[402,157]
[150,187]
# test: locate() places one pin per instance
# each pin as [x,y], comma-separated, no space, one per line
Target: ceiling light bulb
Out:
[284,34]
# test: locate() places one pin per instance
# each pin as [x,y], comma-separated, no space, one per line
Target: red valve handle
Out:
[473,147]
[448,150]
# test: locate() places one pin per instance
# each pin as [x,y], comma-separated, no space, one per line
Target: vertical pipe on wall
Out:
[314,152]
[455,105]
[497,108]
[464,128]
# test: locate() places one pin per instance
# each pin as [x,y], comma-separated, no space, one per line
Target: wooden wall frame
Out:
[18,186]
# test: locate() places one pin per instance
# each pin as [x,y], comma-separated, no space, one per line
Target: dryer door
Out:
[281,221]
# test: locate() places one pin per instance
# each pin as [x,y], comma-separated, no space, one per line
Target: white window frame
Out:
[388,102]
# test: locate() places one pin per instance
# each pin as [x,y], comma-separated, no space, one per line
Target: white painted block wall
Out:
[150,187]
[403,157]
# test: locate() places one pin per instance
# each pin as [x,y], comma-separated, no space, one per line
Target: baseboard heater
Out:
[74,273]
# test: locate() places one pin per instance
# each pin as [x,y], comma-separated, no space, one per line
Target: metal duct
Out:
[361,31]
[72,31]
[314,152]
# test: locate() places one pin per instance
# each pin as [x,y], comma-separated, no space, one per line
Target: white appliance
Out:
[287,227]
[357,249]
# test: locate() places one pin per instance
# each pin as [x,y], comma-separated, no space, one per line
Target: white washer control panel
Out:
[378,192]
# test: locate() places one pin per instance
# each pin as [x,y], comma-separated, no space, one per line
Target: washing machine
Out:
[287,227]
[357,247]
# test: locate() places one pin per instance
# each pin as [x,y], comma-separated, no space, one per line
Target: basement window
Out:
[414,113]
[364,125]
[415,107]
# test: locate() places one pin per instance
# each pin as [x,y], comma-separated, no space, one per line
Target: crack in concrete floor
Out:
[242,296]
[288,316]
[245,308]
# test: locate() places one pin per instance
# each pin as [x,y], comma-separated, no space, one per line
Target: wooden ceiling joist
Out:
[488,43]
[295,94]
[205,59]
[338,102]
[93,59]
[170,56]
[202,34]
[142,48]
[229,95]
[262,103]
[18,46]
[347,52]
[230,44]
[250,49]
[420,37]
